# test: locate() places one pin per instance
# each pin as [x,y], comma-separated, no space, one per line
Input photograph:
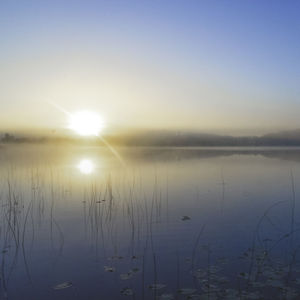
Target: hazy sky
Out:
[216,66]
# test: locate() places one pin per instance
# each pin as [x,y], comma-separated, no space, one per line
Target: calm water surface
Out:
[219,223]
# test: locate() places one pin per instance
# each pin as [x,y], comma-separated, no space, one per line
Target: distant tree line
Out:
[10,138]
[168,139]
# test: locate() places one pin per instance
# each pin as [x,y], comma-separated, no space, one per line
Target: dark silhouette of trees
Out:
[8,138]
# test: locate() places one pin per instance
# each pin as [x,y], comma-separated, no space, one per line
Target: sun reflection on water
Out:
[86,166]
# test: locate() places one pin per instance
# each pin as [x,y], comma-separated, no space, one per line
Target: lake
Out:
[81,222]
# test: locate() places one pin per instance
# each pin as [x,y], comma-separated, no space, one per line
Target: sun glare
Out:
[86,166]
[86,123]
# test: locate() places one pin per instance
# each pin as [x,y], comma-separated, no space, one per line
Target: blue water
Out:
[182,219]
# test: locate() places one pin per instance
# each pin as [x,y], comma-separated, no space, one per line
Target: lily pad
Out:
[186,291]
[126,276]
[275,283]
[166,297]
[200,273]
[109,269]
[135,270]
[116,257]
[63,285]
[257,284]
[206,297]
[252,296]
[127,292]
[195,297]
[232,294]
[156,286]
[290,293]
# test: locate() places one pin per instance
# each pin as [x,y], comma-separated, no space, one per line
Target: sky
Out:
[210,66]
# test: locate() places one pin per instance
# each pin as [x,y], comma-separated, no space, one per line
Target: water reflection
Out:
[86,166]
[176,224]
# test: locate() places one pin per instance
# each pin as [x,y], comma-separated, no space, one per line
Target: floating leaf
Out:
[206,248]
[195,297]
[297,280]
[157,286]
[232,294]
[253,296]
[126,276]
[209,288]
[267,240]
[213,269]
[223,261]
[127,292]
[135,270]
[200,273]
[244,275]
[109,269]
[186,291]
[290,293]
[166,297]
[63,285]
[257,284]
[204,297]
[220,279]
[116,257]
[275,283]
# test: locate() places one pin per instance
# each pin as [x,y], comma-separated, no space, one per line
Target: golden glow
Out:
[86,123]
[86,166]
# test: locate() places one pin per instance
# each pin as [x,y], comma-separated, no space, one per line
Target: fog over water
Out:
[149,150]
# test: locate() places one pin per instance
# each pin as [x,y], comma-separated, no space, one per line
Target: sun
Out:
[86,166]
[86,123]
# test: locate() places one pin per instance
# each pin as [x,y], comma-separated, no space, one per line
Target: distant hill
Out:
[290,138]
[169,138]
[291,134]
